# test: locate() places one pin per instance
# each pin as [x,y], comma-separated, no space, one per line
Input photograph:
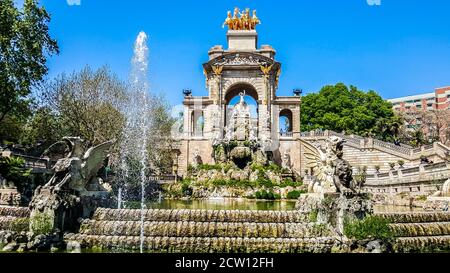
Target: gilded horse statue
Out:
[241,21]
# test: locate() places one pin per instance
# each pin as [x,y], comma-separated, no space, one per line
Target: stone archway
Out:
[286,121]
[234,91]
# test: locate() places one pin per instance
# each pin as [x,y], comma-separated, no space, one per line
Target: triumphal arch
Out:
[219,126]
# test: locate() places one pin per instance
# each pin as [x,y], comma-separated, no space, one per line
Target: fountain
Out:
[134,158]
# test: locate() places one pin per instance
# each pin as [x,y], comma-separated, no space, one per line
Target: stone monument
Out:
[73,192]
[333,193]
[247,69]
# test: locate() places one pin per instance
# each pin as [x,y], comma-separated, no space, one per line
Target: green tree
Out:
[160,140]
[42,130]
[341,108]
[13,170]
[87,103]
[25,44]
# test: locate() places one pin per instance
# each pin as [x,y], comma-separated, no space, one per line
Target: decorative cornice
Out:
[240,59]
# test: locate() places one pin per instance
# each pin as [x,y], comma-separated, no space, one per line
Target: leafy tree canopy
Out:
[25,44]
[341,108]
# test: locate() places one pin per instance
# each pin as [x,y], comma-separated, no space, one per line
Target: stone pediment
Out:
[237,59]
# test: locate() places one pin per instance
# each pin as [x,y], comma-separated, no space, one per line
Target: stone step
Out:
[422,244]
[15,224]
[206,244]
[205,229]
[421,229]
[416,217]
[257,216]
[14,211]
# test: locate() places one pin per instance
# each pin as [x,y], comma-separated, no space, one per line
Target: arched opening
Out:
[197,123]
[232,97]
[285,122]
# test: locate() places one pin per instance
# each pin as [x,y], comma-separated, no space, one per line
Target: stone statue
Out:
[332,172]
[74,191]
[79,168]
[196,159]
[445,192]
[286,161]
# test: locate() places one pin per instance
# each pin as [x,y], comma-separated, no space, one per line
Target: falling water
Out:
[134,157]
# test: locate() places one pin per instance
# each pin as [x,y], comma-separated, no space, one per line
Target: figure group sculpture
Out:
[241,20]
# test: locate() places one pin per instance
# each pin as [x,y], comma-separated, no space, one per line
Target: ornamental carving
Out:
[238,60]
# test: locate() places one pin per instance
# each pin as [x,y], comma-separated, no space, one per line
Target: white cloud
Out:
[73,2]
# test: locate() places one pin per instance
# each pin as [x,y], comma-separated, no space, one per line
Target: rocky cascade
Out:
[420,232]
[13,226]
[13,219]
[204,231]
[20,212]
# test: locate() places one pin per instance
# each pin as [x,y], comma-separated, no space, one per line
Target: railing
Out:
[410,171]
[197,134]
[286,134]
[387,145]
[37,164]
[435,166]
[369,143]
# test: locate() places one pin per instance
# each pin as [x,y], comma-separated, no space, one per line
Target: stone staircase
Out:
[204,231]
[420,232]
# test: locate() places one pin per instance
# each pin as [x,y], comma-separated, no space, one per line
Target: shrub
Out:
[41,223]
[288,182]
[264,182]
[401,163]
[313,215]
[295,194]
[371,227]
[267,195]
[186,189]
[258,195]
[208,167]
[20,224]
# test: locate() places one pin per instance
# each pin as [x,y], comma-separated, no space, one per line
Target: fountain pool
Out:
[245,204]
[218,204]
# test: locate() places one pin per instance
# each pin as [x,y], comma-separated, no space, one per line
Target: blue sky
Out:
[398,48]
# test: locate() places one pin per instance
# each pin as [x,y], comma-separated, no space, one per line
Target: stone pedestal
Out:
[335,208]
[55,210]
[245,40]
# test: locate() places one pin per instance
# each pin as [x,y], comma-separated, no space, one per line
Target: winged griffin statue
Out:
[78,169]
[75,174]
[73,192]
[331,172]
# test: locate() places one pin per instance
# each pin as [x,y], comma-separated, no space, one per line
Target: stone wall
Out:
[189,147]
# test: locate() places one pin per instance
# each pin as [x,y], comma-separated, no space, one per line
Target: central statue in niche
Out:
[240,144]
[240,127]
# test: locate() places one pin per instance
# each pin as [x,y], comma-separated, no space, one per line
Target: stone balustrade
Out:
[404,151]
[426,178]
